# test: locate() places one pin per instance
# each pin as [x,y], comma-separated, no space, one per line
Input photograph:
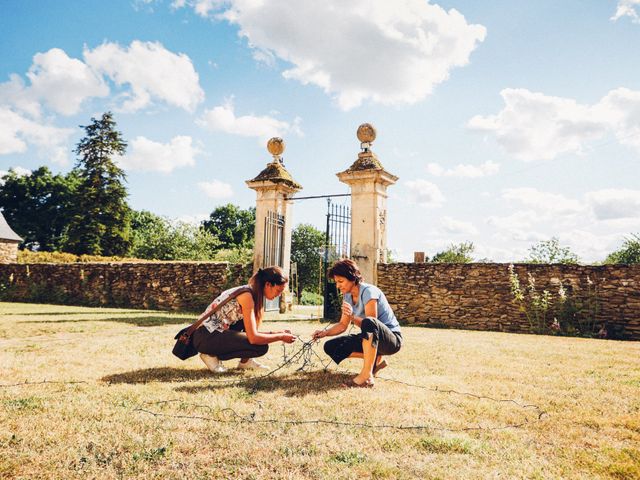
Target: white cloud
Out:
[544,202]
[193,219]
[534,126]
[61,82]
[461,170]
[516,226]
[627,8]
[17,132]
[424,193]
[458,227]
[390,53]
[223,118]
[152,73]
[216,189]
[148,155]
[611,204]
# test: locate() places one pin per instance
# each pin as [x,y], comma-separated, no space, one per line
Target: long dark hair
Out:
[346,268]
[274,275]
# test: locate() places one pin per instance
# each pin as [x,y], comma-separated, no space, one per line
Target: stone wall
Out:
[478,296]
[8,251]
[159,285]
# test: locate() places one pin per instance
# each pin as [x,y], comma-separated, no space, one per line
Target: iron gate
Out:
[273,250]
[337,245]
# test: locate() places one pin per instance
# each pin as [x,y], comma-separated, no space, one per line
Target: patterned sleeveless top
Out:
[229,314]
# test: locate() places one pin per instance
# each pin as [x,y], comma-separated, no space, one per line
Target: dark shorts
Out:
[232,343]
[388,342]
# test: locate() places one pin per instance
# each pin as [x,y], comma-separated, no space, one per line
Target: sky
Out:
[507,123]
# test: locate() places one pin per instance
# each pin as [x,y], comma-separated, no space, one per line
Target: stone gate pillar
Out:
[273,186]
[368,181]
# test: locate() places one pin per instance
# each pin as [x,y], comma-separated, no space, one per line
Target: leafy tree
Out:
[460,253]
[232,226]
[39,206]
[306,242]
[100,224]
[156,238]
[550,251]
[629,254]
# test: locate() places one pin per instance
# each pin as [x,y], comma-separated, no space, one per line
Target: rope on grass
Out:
[229,415]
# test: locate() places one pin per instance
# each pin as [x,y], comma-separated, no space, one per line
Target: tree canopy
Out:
[38,206]
[550,251]
[232,226]
[628,254]
[101,220]
[460,253]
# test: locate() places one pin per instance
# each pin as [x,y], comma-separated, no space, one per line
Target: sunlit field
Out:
[96,393]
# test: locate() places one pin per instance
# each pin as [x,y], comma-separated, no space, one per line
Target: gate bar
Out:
[319,196]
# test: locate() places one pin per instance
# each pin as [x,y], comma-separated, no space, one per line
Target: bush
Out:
[27,256]
[629,254]
[310,298]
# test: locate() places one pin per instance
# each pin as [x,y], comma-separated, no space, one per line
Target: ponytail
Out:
[275,276]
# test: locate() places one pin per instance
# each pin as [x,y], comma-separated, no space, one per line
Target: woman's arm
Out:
[335,329]
[370,310]
[251,328]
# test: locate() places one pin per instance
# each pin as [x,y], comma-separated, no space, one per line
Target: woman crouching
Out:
[232,331]
[366,306]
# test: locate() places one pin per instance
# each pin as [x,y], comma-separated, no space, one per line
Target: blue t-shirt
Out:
[371,292]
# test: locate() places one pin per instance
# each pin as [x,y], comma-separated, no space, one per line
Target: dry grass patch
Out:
[96,393]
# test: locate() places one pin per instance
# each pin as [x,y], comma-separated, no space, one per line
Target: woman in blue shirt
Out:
[366,306]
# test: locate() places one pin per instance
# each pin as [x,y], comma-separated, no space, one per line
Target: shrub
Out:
[629,254]
[310,298]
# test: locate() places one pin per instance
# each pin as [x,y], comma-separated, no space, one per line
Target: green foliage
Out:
[460,253]
[157,238]
[101,218]
[573,313]
[533,304]
[306,243]
[240,255]
[310,298]
[26,256]
[629,253]
[38,206]
[232,226]
[550,251]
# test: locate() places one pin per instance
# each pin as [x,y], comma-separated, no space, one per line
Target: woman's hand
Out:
[287,337]
[319,334]
[347,309]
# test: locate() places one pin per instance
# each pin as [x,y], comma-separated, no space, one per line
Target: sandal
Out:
[353,384]
[379,366]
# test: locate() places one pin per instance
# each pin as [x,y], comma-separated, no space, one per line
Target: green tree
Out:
[628,254]
[306,242]
[460,253]
[550,251]
[101,221]
[39,206]
[232,226]
[157,238]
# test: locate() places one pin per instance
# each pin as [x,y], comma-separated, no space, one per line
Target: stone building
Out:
[9,241]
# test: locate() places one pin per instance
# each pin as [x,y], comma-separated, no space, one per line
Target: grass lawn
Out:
[96,393]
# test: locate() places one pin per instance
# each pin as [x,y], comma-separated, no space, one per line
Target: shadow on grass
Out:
[148,321]
[298,384]
[159,374]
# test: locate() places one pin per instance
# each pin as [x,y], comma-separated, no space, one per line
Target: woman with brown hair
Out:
[232,331]
[366,306]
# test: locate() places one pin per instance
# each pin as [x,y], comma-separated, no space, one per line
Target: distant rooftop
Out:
[5,231]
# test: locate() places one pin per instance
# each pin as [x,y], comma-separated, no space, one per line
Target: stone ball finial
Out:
[366,133]
[275,146]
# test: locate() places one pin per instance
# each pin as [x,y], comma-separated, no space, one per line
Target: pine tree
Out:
[101,221]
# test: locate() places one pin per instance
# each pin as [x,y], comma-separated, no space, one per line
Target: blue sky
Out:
[508,123]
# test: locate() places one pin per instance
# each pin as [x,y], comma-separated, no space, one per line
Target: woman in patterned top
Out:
[366,307]
[232,331]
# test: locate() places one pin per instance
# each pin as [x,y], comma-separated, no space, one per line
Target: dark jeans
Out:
[232,343]
[388,342]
